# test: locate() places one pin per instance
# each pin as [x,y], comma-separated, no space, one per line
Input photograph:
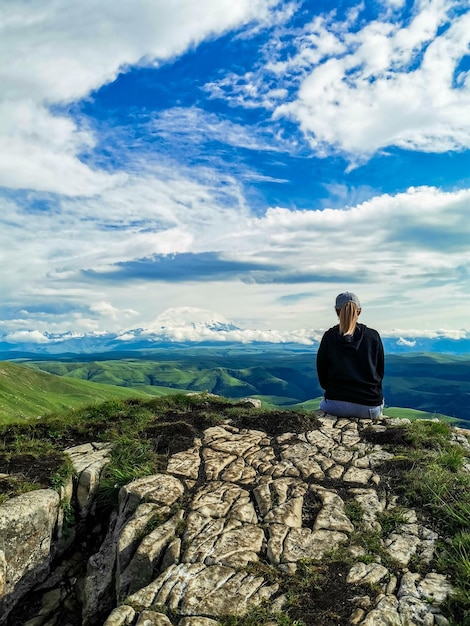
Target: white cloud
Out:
[194,126]
[54,53]
[160,212]
[28,336]
[269,82]
[360,90]
[305,337]
[60,51]
[40,151]
[415,333]
[393,4]
[357,89]
[408,249]
[392,86]
[406,342]
[106,309]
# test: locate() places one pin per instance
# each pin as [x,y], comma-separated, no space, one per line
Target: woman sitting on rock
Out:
[350,364]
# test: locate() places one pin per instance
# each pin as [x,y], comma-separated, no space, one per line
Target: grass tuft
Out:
[354,512]
[391,520]
[429,434]
[431,478]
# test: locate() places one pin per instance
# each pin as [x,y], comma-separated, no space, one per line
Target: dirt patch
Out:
[395,468]
[390,436]
[28,468]
[171,438]
[178,430]
[63,436]
[310,509]
[327,602]
[199,418]
[276,422]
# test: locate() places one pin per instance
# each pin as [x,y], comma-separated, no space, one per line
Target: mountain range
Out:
[186,326]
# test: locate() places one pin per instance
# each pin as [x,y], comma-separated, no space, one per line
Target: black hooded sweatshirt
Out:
[351,367]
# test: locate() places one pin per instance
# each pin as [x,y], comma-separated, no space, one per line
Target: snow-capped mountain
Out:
[200,320]
[187,326]
[180,326]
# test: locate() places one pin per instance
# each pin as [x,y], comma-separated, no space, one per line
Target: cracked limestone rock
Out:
[27,524]
[199,538]
[256,499]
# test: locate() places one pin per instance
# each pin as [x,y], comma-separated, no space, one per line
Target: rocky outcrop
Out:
[88,461]
[34,530]
[248,505]
[194,543]
[26,528]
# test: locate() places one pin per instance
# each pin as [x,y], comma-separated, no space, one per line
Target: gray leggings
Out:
[341,408]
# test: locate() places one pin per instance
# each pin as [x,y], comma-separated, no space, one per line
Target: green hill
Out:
[434,384]
[284,382]
[26,393]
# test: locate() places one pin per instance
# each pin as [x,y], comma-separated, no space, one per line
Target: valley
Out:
[436,384]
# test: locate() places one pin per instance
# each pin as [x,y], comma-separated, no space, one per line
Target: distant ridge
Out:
[187,326]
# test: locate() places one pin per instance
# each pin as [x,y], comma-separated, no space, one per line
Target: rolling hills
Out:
[26,393]
[435,384]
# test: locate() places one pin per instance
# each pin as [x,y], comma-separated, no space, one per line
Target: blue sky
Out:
[251,158]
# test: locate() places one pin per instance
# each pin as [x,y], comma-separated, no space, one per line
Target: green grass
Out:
[308,405]
[157,390]
[25,393]
[436,385]
[455,557]
[414,414]
[391,520]
[354,511]
[435,483]
[131,458]
[142,432]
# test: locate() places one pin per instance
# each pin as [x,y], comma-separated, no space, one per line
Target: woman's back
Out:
[350,367]
[350,363]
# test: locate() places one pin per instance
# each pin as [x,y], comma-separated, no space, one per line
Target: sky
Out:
[252,158]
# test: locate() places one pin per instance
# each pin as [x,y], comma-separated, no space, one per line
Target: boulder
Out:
[27,525]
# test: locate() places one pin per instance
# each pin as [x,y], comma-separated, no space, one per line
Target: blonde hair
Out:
[348,315]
